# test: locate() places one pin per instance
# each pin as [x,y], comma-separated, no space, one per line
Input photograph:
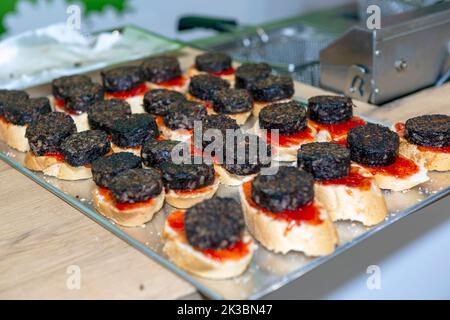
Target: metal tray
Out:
[268,271]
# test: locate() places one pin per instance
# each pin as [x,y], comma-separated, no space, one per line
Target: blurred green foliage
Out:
[89,6]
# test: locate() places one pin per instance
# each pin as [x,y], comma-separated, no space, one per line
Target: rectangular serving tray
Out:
[268,271]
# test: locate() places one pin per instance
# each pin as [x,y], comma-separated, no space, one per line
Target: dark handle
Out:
[218,24]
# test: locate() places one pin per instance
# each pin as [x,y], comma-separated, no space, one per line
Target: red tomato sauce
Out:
[338,130]
[286,140]
[401,168]
[57,155]
[226,72]
[175,82]
[353,180]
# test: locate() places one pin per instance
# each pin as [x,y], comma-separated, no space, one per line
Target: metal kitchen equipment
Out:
[408,53]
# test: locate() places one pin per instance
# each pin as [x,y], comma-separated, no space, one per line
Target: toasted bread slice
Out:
[14,135]
[184,200]
[129,217]
[431,159]
[278,236]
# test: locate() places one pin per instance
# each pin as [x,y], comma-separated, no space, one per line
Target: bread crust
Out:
[194,262]
[281,153]
[181,135]
[130,217]
[192,71]
[181,89]
[14,135]
[135,151]
[184,201]
[349,203]
[431,160]
[312,240]
[54,168]
[230,179]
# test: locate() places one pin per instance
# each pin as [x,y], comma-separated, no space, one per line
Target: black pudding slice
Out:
[187,176]
[324,160]
[82,96]
[231,101]
[288,117]
[289,189]
[330,109]
[429,130]
[48,131]
[22,112]
[213,62]
[102,114]
[251,153]
[272,88]
[133,130]
[161,68]
[84,147]
[183,114]
[136,185]
[204,86]
[216,223]
[155,152]
[7,96]
[220,122]
[249,73]
[105,168]
[158,100]
[122,78]
[373,145]
[61,87]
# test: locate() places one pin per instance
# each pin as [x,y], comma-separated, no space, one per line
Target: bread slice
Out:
[192,71]
[389,182]
[135,151]
[181,135]
[278,236]
[257,106]
[186,200]
[14,135]
[129,217]
[352,203]
[230,179]
[81,120]
[195,262]
[286,153]
[431,159]
[181,89]
[50,166]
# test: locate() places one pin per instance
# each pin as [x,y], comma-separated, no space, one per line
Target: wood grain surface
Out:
[41,236]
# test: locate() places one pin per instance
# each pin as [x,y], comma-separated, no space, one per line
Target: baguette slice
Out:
[184,200]
[431,159]
[135,151]
[192,71]
[195,262]
[181,135]
[81,120]
[389,182]
[130,217]
[181,89]
[230,179]
[286,153]
[365,205]
[50,166]
[278,236]
[14,135]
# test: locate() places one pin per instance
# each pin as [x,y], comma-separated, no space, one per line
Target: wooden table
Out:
[41,236]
